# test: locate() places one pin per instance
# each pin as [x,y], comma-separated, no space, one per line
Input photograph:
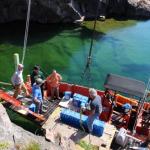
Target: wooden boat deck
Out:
[54,124]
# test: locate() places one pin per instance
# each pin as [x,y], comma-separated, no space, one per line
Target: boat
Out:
[115,95]
[113,84]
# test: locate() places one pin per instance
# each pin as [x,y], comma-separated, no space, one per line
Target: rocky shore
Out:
[55,11]
[13,137]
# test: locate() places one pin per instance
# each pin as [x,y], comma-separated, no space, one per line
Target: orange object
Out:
[120,100]
[28,84]
[54,79]
[6,97]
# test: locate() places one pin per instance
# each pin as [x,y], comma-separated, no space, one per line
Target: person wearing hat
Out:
[37,94]
[37,73]
[18,82]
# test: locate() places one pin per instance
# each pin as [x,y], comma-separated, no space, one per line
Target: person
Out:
[18,82]
[126,108]
[53,81]
[95,107]
[37,73]
[37,94]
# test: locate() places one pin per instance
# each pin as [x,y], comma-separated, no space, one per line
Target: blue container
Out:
[67,95]
[32,107]
[98,127]
[73,118]
[82,104]
[78,99]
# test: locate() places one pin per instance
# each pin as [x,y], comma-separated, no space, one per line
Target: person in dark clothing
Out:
[37,73]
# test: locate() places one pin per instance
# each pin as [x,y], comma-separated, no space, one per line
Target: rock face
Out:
[52,11]
[14,137]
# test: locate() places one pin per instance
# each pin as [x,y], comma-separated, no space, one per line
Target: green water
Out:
[120,47]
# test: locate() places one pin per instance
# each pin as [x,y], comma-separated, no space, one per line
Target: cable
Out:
[87,70]
[81,125]
[26,31]
[141,106]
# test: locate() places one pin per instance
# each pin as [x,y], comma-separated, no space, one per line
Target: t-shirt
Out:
[96,104]
[54,80]
[36,92]
[17,78]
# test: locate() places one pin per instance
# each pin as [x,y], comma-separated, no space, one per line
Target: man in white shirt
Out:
[17,81]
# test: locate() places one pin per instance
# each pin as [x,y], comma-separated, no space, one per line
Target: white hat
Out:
[39,81]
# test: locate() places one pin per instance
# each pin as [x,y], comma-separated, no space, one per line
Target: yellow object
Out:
[21,111]
[16,60]
[56,113]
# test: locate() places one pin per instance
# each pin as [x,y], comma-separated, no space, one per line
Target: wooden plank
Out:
[109,132]
[54,124]
[51,121]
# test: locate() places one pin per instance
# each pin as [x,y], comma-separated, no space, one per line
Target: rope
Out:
[87,69]
[26,31]
[141,106]
[81,125]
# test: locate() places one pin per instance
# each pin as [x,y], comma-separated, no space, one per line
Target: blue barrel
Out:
[73,118]
[67,95]
[78,99]
[98,127]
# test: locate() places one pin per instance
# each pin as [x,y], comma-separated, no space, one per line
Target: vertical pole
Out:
[16,60]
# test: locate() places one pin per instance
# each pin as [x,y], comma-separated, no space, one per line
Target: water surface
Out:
[120,47]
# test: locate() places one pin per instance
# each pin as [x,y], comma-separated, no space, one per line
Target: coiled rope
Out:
[26,31]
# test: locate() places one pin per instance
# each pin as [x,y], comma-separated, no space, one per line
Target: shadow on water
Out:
[13,33]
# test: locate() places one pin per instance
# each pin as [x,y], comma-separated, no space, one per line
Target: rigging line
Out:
[142,104]
[89,59]
[26,31]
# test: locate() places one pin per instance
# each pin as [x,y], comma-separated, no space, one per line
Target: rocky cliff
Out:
[52,11]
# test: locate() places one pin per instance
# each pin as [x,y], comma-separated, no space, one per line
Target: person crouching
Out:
[37,95]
